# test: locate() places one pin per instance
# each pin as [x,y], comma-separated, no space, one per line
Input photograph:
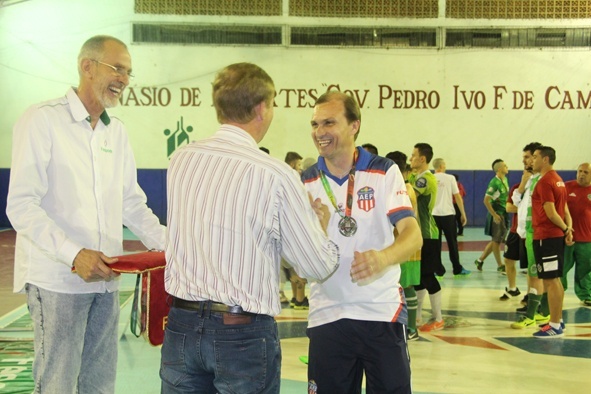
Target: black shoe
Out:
[412,335]
[509,293]
[523,309]
[524,300]
[302,305]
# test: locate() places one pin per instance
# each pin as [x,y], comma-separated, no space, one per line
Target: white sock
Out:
[436,305]
[420,298]
[533,291]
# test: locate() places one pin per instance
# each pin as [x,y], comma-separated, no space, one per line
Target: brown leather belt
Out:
[232,314]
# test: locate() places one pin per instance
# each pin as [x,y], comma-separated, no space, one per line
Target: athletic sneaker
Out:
[301,305]
[463,274]
[501,270]
[548,332]
[541,319]
[587,302]
[432,325]
[562,326]
[523,323]
[479,264]
[523,309]
[509,293]
[524,300]
[292,302]
[412,335]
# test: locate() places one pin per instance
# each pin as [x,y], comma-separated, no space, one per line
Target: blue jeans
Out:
[202,355]
[75,341]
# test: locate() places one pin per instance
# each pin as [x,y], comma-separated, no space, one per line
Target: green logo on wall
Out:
[177,138]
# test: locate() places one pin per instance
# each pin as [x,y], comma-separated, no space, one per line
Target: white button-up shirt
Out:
[72,187]
[233,211]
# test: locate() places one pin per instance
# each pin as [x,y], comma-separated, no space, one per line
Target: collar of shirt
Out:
[79,112]
[363,159]
[237,135]
[423,173]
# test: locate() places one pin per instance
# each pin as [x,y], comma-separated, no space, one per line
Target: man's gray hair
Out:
[94,48]
[437,163]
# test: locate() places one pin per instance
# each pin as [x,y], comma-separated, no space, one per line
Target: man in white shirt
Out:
[72,188]
[445,215]
[357,317]
[233,212]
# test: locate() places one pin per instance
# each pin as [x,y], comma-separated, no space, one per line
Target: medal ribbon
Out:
[350,187]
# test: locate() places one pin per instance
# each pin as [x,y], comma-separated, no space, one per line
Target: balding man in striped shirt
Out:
[233,212]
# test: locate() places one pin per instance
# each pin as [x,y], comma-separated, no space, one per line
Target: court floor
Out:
[477,352]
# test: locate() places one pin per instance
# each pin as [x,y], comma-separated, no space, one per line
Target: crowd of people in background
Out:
[532,221]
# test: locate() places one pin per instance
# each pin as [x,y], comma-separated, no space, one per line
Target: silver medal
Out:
[348,226]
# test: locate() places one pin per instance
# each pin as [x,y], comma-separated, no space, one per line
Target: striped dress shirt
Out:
[233,211]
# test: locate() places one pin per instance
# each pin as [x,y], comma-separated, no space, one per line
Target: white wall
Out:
[39,42]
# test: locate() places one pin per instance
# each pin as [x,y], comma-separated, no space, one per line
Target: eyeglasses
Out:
[119,70]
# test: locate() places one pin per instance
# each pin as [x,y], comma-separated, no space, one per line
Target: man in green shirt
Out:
[497,220]
[425,186]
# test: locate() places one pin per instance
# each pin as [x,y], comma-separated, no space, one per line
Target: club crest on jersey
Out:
[421,183]
[365,198]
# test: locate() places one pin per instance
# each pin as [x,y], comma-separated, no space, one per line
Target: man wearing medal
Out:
[357,317]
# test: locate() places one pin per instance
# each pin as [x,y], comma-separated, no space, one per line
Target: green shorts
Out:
[410,274]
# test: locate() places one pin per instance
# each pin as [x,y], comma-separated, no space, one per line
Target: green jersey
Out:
[532,184]
[425,185]
[498,191]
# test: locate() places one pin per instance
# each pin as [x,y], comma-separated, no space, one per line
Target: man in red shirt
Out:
[579,254]
[552,223]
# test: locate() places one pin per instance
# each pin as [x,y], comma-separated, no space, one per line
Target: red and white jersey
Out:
[579,205]
[380,200]
[550,188]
